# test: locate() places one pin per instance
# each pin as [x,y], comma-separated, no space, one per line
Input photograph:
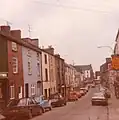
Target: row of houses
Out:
[107,74]
[27,70]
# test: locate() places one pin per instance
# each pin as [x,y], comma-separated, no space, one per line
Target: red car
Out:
[22,109]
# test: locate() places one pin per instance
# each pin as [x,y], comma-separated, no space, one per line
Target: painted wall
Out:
[33,77]
[46,84]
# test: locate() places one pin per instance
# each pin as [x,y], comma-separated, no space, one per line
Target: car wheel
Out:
[41,111]
[65,103]
[30,114]
[50,108]
[92,104]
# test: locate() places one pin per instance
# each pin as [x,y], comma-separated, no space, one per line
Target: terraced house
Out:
[52,70]
[11,69]
[32,68]
[20,66]
[45,74]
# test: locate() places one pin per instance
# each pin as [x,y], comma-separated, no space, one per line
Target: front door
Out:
[26,90]
[3,93]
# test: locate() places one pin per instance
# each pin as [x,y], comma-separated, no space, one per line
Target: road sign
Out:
[115,62]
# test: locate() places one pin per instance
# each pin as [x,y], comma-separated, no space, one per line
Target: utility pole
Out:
[29,30]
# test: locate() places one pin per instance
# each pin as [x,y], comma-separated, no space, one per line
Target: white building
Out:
[52,69]
[45,74]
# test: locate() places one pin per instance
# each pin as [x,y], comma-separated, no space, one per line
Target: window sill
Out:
[12,98]
[15,72]
[14,50]
[29,73]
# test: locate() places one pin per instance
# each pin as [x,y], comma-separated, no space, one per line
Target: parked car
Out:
[46,104]
[2,117]
[84,89]
[72,96]
[93,85]
[57,100]
[82,92]
[22,109]
[106,92]
[99,99]
[78,94]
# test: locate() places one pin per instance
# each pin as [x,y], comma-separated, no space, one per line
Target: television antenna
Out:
[29,30]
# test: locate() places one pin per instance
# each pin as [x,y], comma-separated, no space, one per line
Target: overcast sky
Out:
[75,30]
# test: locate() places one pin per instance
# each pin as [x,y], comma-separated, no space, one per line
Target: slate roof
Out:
[80,68]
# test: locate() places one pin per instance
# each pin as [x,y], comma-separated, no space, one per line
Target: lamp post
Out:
[112,50]
[107,47]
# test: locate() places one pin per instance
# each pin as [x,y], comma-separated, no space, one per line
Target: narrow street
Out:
[83,110]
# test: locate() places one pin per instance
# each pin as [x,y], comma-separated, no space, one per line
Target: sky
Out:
[75,28]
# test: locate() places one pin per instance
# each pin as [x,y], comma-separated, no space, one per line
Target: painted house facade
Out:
[52,71]
[45,74]
[31,70]
[60,74]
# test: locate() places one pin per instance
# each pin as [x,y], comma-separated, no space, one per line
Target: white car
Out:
[99,99]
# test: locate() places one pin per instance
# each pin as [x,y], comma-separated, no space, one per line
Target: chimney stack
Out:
[35,42]
[16,34]
[50,49]
[5,29]
[108,60]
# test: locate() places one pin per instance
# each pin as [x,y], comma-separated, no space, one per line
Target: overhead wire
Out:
[71,7]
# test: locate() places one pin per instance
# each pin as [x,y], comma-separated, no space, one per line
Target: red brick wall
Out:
[16,79]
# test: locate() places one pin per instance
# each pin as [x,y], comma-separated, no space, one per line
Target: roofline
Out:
[25,43]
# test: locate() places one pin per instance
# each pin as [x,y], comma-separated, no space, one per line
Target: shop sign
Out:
[115,62]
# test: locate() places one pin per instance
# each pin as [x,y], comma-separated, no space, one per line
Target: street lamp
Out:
[107,47]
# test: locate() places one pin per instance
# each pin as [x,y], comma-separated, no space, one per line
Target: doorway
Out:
[26,90]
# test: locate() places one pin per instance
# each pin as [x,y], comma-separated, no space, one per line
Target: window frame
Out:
[29,66]
[38,68]
[14,46]
[12,92]
[46,74]
[33,90]
[15,68]
[45,58]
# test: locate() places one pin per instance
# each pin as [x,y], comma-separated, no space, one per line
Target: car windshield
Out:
[23,102]
[98,95]
[12,103]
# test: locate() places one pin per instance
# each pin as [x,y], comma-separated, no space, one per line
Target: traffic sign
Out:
[115,62]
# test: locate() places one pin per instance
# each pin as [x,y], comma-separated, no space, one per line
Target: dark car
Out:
[2,117]
[57,100]
[22,109]
[107,94]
